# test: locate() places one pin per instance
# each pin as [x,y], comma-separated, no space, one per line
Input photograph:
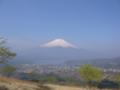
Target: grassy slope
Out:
[60,87]
[13,84]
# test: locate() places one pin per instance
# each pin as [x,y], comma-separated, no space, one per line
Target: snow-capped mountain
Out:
[59,43]
[56,51]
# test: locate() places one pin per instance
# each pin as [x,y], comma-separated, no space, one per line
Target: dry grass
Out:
[59,87]
[13,84]
[10,80]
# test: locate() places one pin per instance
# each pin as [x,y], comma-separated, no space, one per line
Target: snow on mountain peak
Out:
[59,43]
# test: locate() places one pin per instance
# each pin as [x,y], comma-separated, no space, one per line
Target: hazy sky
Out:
[90,24]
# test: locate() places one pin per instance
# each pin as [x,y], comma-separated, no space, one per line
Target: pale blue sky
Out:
[90,24]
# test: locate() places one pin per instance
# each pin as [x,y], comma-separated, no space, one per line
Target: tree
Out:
[8,70]
[5,53]
[90,73]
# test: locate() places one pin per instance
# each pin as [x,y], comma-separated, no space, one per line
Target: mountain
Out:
[55,52]
[59,43]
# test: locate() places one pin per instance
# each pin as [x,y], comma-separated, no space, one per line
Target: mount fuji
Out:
[59,43]
[55,51]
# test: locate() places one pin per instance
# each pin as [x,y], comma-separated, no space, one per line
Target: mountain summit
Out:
[59,43]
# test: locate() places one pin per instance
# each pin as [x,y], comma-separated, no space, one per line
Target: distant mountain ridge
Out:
[103,62]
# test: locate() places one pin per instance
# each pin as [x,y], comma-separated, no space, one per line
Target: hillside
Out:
[13,84]
[62,87]
[59,87]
